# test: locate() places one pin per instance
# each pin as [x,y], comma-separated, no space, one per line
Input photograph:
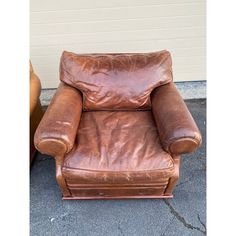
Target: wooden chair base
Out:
[118,197]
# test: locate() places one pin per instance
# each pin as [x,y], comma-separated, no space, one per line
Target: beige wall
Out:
[118,26]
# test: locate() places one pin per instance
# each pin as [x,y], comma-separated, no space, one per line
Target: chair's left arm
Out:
[177,130]
[57,130]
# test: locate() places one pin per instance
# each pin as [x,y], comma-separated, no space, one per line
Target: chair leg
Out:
[60,178]
[173,180]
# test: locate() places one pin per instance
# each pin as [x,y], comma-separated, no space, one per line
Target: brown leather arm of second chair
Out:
[35,89]
[57,130]
[177,130]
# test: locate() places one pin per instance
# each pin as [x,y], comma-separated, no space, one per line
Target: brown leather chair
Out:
[36,111]
[117,126]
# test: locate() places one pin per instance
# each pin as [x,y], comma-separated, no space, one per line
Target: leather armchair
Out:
[117,126]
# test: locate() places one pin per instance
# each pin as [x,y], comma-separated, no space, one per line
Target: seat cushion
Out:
[116,81]
[117,147]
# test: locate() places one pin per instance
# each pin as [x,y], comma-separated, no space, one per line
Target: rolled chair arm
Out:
[57,130]
[177,130]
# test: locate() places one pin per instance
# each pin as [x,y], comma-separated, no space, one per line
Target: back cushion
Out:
[116,81]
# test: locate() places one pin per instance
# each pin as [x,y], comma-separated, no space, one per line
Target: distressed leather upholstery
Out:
[116,81]
[112,150]
[177,129]
[117,126]
[59,127]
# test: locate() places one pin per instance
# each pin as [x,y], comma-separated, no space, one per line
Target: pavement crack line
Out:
[182,220]
[199,219]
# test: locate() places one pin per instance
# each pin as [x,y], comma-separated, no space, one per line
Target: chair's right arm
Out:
[57,130]
[177,129]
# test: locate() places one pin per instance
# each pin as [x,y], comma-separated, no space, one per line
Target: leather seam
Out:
[172,140]
[155,170]
[89,110]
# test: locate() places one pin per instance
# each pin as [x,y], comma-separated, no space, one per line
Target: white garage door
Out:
[118,26]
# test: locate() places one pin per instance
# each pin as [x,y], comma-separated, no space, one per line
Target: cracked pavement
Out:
[184,215]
